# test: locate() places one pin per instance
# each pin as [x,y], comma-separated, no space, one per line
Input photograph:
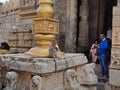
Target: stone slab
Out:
[114,77]
[70,60]
[26,63]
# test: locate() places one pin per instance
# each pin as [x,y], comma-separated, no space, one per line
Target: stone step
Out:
[106,86]
[102,80]
[103,86]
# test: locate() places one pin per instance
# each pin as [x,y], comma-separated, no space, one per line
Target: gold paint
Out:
[42,25]
[46,9]
[45,29]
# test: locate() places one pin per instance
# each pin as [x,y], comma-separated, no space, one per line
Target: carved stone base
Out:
[63,73]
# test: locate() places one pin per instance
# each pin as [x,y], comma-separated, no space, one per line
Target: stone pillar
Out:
[114,71]
[60,14]
[70,35]
[83,32]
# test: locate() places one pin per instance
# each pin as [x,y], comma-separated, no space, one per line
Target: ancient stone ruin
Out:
[61,71]
[44,67]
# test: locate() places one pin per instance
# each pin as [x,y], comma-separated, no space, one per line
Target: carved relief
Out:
[29,2]
[36,83]
[88,76]
[12,78]
[11,5]
[46,26]
[16,4]
[71,82]
[5,7]
[115,59]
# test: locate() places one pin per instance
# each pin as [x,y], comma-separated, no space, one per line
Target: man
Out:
[103,54]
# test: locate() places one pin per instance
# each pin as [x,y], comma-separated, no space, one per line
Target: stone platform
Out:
[22,72]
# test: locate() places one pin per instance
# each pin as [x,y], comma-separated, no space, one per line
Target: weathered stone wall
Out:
[8,21]
[114,70]
[16,24]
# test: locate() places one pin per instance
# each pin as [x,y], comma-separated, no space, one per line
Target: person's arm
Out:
[92,47]
[104,45]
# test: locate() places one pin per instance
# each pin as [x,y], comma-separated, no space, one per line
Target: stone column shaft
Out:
[84,26]
[70,35]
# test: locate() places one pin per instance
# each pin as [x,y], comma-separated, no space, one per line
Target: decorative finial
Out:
[46,9]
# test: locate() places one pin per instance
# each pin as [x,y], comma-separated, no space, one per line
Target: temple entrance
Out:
[109,13]
[99,19]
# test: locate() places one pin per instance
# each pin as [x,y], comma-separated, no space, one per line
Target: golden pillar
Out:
[45,29]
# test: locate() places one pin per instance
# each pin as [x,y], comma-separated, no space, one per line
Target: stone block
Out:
[27,63]
[42,65]
[70,60]
[116,36]
[116,11]
[115,58]
[114,77]
[24,81]
[28,36]
[54,81]
[100,87]
[116,21]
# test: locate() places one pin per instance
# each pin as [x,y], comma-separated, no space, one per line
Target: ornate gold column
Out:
[45,29]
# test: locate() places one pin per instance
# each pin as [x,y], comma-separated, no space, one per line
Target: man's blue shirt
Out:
[103,47]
